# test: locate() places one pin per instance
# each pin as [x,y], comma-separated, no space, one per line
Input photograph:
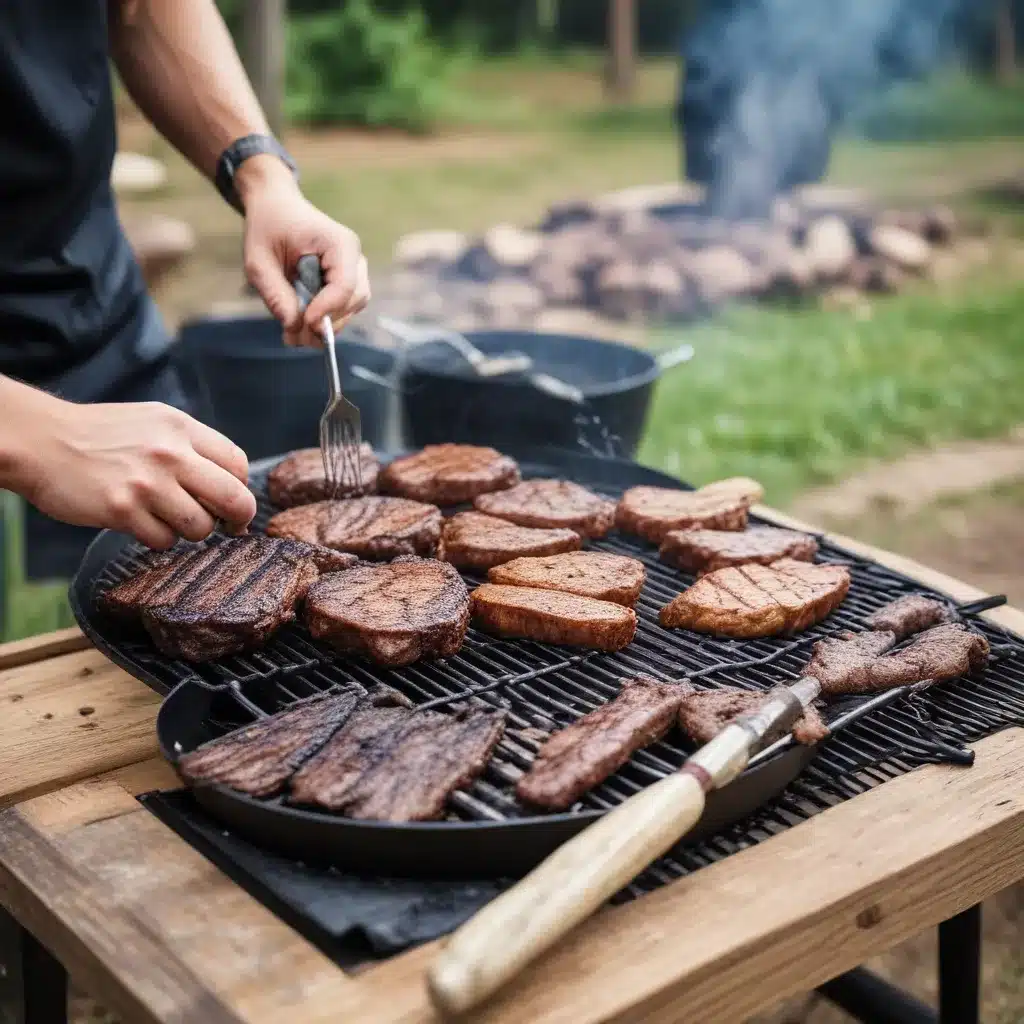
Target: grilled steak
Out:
[587,573]
[942,652]
[448,474]
[653,512]
[472,540]
[220,598]
[389,764]
[843,664]
[371,527]
[759,600]
[705,713]
[552,617]
[701,551]
[408,610]
[910,614]
[554,503]
[262,757]
[585,753]
[299,479]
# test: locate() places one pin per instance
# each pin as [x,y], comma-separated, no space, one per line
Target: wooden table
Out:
[157,934]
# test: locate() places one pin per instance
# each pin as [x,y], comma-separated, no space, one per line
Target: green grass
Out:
[798,398]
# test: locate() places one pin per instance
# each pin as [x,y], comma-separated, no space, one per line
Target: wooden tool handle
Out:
[571,884]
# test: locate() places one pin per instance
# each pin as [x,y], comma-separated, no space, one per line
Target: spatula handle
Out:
[565,889]
[309,279]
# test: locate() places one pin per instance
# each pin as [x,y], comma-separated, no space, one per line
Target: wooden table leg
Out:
[960,968]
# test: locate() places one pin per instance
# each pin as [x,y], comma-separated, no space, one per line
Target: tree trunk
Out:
[620,72]
[264,45]
[1006,42]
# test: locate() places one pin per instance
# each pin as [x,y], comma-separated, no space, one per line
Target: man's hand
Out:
[281,225]
[144,469]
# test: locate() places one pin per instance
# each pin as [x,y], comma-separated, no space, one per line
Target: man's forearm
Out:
[24,415]
[180,65]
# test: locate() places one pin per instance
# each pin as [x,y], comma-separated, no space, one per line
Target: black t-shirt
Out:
[74,313]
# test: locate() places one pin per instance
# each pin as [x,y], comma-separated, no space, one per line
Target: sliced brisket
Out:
[703,714]
[910,614]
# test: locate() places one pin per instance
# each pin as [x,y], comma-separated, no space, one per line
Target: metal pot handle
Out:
[674,356]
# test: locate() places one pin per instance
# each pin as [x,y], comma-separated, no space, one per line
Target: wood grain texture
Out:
[149,926]
[38,648]
[68,718]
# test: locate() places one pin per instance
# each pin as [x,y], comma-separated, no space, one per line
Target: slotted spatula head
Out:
[341,433]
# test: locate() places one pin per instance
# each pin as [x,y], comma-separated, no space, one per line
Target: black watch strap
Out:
[237,153]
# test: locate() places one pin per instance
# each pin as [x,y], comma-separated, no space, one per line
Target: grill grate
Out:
[544,687]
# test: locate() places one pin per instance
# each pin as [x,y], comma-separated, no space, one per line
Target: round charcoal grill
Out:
[541,687]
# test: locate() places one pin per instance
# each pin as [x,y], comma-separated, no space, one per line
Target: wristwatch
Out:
[236,154]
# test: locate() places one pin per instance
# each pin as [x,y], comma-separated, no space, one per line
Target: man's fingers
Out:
[266,275]
[148,530]
[213,445]
[218,492]
[182,513]
[341,264]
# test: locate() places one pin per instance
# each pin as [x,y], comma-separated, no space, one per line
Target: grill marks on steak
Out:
[220,598]
[392,764]
[703,714]
[701,551]
[299,479]
[409,610]
[910,614]
[371,527]
[653,512]
[551,503]
[595,574]
[449,474]
[553,617]
[759,600]
[472,540]
[582,755]
[260,758]
[942,652]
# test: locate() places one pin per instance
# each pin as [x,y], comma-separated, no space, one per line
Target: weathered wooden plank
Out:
[38,648]
[68,718]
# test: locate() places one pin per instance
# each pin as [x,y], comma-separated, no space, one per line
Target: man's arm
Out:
[179,63]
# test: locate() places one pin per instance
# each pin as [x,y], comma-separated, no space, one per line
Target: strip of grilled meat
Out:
[702,551]
[703,714]
[553,617]
[759,600]
[371,527]
[408,610]
[595,574]
[220,598]
[910,614]
[843,664]
[449,474]
[260,758]
[299,478]
[582,755]
[472,540]
[551,503]
[390,764]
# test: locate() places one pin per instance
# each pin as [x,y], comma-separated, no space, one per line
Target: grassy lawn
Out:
[794,397]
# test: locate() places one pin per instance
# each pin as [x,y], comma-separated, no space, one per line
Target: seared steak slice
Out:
[759,600]
[449,474]
[653,512]
[705,713]
[371,527]
[942,652]
[910,614]
[552,617]
[389,764]
[408,610]
[553,503]
[701,551]
[843,664]
[299,479]
[582,755]
[472,540]
[587,573]
[219,598]
[260,758]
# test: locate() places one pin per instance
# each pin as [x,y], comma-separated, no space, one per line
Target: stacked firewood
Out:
[640,258]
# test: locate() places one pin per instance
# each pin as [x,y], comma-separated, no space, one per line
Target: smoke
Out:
[768,82]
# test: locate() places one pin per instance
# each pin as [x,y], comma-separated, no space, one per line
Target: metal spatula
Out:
[341,434]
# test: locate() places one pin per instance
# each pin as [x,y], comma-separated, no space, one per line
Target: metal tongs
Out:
[341,435]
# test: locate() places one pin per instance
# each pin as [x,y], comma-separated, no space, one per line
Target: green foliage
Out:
[356,65]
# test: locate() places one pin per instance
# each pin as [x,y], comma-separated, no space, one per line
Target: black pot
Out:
[267,397]
[444,399]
